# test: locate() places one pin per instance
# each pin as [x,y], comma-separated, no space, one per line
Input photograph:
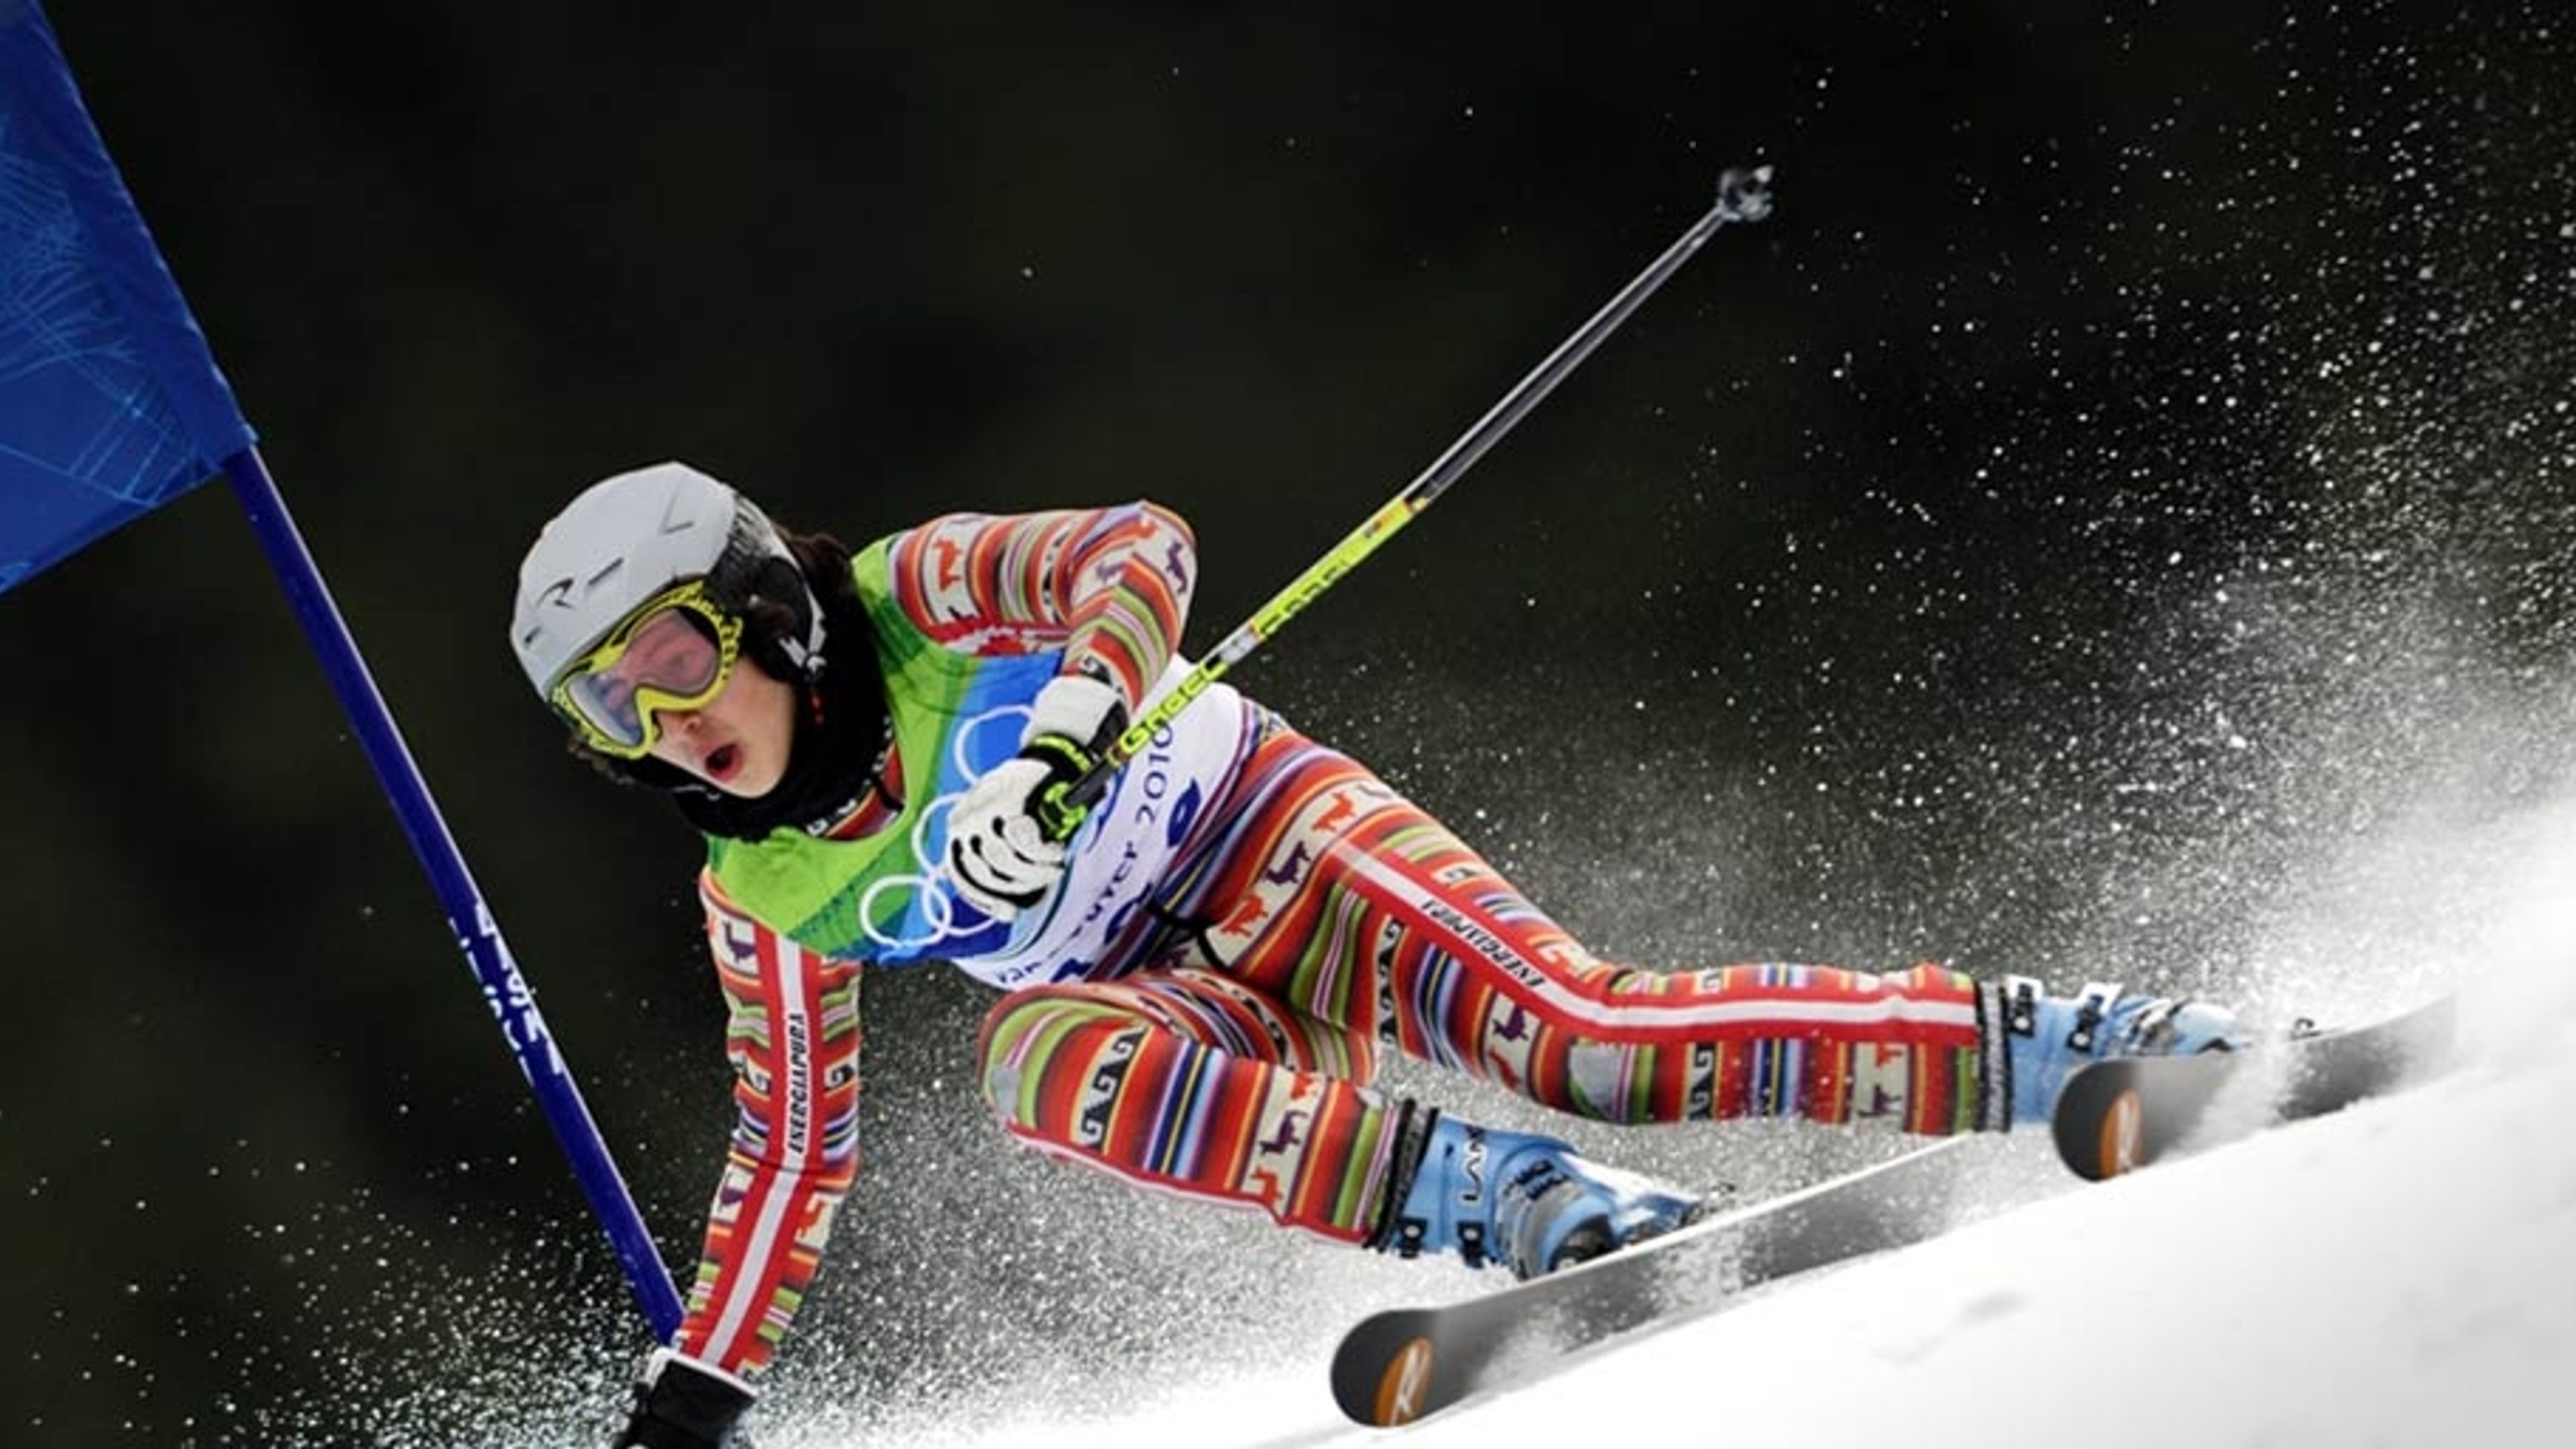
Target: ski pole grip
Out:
[1744,193]
[1061,808]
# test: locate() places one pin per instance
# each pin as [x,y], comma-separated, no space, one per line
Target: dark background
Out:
[2135,458]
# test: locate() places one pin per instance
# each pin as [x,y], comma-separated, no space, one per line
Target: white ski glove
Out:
[1007,833]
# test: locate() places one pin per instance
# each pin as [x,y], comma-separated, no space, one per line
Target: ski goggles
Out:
[674,652]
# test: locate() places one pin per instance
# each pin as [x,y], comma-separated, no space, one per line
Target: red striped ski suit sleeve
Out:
[1109,586]
[792,1033]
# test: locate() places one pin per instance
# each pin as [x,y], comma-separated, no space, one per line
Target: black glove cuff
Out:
[683,1404]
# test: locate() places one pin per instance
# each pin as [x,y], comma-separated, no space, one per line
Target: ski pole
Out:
[1743,194]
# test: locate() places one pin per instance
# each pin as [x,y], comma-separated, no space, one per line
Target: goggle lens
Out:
[673,658]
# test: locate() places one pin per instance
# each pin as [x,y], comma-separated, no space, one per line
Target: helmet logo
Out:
[561,592]
[675,513]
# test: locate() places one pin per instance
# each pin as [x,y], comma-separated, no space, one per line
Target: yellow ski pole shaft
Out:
[1742,195]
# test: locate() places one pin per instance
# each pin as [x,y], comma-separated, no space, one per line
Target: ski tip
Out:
[1384,1384]
[1383,1374]
[1404,1388]
[2100,1123]
[2115,1142]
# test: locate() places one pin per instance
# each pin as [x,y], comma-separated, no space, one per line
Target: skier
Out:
[1195,984]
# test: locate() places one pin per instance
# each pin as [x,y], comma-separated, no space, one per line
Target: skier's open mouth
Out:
[723,762]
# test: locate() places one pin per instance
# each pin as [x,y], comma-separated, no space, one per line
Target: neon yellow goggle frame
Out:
[674,652]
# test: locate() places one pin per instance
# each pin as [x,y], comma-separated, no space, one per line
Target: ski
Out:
[2118,1115]
[1402,1364]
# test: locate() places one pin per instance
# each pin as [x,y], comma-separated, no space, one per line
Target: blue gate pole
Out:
[513,1005]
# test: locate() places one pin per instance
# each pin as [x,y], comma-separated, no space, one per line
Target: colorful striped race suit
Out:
[1247,916]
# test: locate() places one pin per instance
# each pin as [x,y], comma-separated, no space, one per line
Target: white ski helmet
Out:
[628,538]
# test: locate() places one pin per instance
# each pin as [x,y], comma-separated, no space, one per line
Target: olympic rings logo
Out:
[980,743]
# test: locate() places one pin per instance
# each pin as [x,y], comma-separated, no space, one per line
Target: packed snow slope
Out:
[2401,1274]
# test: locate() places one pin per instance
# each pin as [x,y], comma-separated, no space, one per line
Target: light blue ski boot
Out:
[2049,1036]
[1525,1201]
